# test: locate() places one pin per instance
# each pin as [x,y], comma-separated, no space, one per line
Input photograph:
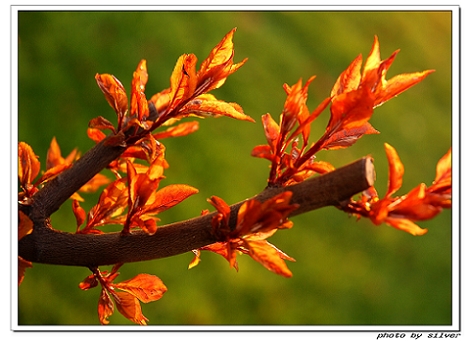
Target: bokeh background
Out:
[347,272]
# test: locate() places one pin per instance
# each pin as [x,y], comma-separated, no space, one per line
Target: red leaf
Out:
[255,217]
[308,170]
[182,81]
[53,172]
[220,205]
[129,307]
[395,169]
[146,288]
[350,110]
[79,213]
[443,181]
[415,205]
[148,183]
[397,85]
[271,131]
[349,79]
[375,71]
[97,181]
[54,155]
[28,165]
[25,225]
[101,123]
[132,179]
[228,250]
[168,197]
[139,105]
[347,137]
[370,76]
[105,307]
[89,282]
[406,226]
[95,134]
[294,105]
[268,256]
[114,93]
[207,105]
[196,259]
[22,266]
[182,129]
[264,152]
[111,204]
[218,65]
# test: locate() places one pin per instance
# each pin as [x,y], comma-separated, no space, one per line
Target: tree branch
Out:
[58,190]
[45,245]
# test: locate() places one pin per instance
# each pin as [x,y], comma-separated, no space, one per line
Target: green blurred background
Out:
[347,272]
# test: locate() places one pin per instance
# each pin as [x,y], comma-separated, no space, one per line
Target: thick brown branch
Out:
[57,191]
[45,245]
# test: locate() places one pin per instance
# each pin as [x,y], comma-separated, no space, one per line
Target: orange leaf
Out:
[220,220]
[375,71]
[307,170]
[105,307]
[181,129]
[406,226]
[139,105]
[146,288]
[347,137]
[97,181]
[398,84]
[294,105]
[112,202]
[223,249]
[168,197]
[207,105]
[320,167]
[148,184]
[196,259]
[53,172]
[264,152]
[220,205]
[55,160]
[89,282]
[255,217]
[132,188]
[372,64]
[25,225]
[54,156]
[219,55]
[22,266]
[349,79]
[79,213]
[350,110]
[271,131]
[129,307]
[101,123]
[28,164]
[95,134]
[114,93]
[268,256]
[218,65]
[182,81]
[414,205]
[395,169]
[443,179]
